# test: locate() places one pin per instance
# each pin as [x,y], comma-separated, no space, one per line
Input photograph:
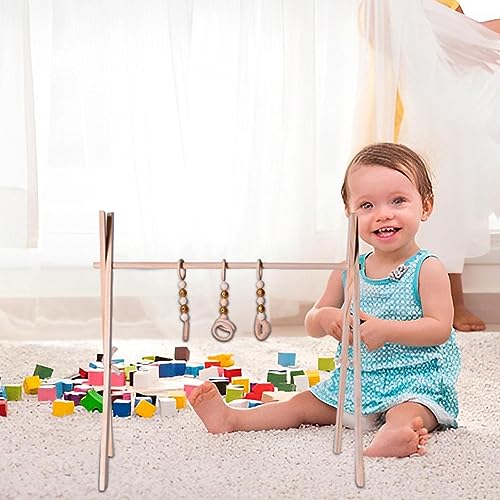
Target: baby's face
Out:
[388,205]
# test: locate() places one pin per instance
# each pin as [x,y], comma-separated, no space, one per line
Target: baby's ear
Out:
[427,206]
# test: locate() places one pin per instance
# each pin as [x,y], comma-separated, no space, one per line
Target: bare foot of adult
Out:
[210,407]
[402,441]
[465,321]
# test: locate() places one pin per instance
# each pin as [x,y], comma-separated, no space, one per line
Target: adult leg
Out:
[463,319]
[218,417]
[404,433]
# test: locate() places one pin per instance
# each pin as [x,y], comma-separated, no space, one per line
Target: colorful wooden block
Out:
[128,370]
[162,358]
[3,407]
[74,396]
[180,399]
[168,407]
[62,407]
[286,387]
[43,371]
[214,362]
[293,373]
[286,358]
[145,409]
[301,382]
[13,392]
[118,379]
[148,397]
[260,387]
[226,359]
[82,388]
[234,392]
[326,363]
[47,392]
[232,372]
[244,381]
[92,401]
[31,384]
[189,388]
[121,408]
[211,372]
[277,377]
[181,352]
[166,369]
[193,369]
[221,383]
[313,376]
[96,377]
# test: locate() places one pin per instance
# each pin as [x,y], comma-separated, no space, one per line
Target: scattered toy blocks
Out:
[244,381]
[326,364]
[313,376]
[168,407]
[3,407]
[180,399]
[47,392]
[181,352]
[13,392]
[92,401]
[122,408]
[234,392]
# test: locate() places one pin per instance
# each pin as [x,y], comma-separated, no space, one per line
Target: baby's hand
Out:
[372,331]
[331,321]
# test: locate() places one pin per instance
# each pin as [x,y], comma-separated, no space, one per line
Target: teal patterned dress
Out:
[397,373]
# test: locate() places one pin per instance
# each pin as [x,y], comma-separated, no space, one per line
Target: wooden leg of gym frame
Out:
[106,274]
[351,299]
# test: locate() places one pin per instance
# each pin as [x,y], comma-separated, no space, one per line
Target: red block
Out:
[214,362]
[232,372]
[3,407]
[261,387]
[252,395]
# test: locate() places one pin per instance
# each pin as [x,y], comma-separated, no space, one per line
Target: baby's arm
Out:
[433,328]
[325,317]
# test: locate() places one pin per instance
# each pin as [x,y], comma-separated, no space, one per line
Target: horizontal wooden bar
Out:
[315,266]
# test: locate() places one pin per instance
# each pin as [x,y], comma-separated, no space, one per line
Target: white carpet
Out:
[42,456]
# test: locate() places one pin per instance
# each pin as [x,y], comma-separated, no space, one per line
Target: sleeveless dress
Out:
[397,373]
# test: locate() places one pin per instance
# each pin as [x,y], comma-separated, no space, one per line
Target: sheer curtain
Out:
[210,128]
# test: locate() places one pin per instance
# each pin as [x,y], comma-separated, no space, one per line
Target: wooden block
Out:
[3,407]
[13,392]
[145,409]
[181,352]
[168,407]
[96,377]
[62,407]
[232,372]
[234,392]
[47,392]
[180,399]
[301,382]
[122,408]
[92,401]
[43,371]
[287,358]
[326,363]
[31,384]
[118,379]
[313,376]
[245,382]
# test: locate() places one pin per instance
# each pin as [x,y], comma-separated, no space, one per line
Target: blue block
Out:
[193,369]
[67,385]
[59,388]
[286,358]
[122,408]
[95,364]
[252,403]
[179,367]
[166,369]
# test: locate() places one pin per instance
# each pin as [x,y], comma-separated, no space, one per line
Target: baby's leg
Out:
[404,433]
[304,408]
[493,24]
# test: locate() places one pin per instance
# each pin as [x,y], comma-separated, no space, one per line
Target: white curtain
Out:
[210,128]
[213,129]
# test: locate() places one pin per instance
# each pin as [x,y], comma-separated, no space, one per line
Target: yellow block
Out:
[313,376]
[31,384]
[145,409]
[62,407]
[180,399]
[226,359]
[245,382]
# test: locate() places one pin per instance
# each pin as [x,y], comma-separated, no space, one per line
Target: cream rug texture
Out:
[42,456]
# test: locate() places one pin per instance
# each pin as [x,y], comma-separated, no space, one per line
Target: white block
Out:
[301,382]
[211,371]
[167,407]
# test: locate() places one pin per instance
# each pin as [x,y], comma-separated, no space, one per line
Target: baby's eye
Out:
[366,205]
[398,201]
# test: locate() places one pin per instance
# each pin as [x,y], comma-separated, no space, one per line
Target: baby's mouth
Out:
[385,232]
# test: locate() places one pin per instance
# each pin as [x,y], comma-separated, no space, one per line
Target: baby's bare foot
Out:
[399,441]
[465,321]
[210,407]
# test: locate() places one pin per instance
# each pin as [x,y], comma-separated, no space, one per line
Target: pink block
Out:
[82,388]
[117,379]
[96,377]
[47,393]
[188,388]
[127,396]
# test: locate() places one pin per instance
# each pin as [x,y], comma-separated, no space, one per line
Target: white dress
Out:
[444,69]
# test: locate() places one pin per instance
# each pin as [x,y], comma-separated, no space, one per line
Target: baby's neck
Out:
[381,264]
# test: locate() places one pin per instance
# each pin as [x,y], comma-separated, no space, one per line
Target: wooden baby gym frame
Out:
[106,265]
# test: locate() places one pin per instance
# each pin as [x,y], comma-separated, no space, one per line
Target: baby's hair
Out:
[395,156]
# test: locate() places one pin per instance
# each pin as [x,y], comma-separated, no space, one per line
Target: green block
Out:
[294,373]
[277,377]
[92,401]
[286,387]
[326,364]
[234,392]
[14,392]
[128,370]
[43,371]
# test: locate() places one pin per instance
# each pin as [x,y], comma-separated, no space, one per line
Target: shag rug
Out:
[42,456]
